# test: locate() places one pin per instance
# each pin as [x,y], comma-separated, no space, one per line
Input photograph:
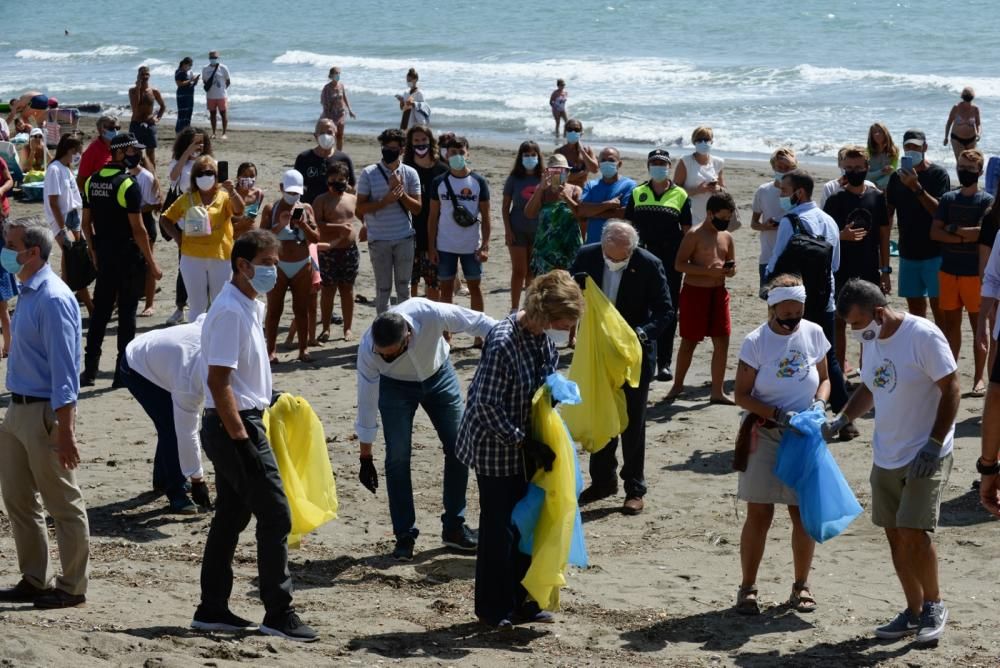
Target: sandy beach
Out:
[659,590]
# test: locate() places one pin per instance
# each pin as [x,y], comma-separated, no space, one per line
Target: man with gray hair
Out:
[605,198]
[38,450]
[98,152]
[635,281]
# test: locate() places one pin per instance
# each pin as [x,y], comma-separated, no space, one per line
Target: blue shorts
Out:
[919,278]
[472,268]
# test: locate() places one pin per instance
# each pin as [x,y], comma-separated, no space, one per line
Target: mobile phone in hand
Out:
[223,171]
[729,264]
[906,162]
[297,214]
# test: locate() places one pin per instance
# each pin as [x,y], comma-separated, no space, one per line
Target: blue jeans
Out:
[441,398]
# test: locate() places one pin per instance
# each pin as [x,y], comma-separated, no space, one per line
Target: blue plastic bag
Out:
[827,505]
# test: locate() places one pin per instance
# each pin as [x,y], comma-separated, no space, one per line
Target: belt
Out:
[211,412]
[16,398]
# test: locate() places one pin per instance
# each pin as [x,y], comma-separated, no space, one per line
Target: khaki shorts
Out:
[898,503]
[758,484]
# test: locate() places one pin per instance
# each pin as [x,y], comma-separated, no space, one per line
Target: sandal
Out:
[802,599]
[323,337]
[745,605]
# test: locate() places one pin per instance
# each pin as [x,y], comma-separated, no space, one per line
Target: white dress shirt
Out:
[233,337]
[171,359]
[611,281]
[424,356]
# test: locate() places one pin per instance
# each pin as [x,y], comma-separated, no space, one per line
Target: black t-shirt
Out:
[988,232]
[959,210]
[859,259]
[103,193]
[660,225]
[313,169]
[913,219]
[427,176]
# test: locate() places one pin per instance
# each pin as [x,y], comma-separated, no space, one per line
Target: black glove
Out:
[368,475]
[200,495]
[581,279]
[538,453]
[248,452]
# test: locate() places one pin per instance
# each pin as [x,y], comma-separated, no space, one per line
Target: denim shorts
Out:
[447,268]
[919,278]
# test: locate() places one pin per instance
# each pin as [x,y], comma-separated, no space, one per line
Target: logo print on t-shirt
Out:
[796,365]
[884,377]
[528,191]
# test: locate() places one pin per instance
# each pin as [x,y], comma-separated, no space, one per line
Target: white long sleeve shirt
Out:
[991,281]
[171,359]
[424,356]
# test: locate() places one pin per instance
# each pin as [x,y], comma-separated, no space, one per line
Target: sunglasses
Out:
[204,174]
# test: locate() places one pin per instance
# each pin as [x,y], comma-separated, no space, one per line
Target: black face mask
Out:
[856,178]
[967,177]
[719,224]
[339,186]
[132,161]
[390,155]
[788,324]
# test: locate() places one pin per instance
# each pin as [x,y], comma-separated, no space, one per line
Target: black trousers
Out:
[121,280]
[665,344]
[604,463]
[500,566]
[242,491]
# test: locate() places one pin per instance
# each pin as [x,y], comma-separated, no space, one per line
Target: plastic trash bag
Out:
[607,356]
[826,503]
[548,517]
[299,444]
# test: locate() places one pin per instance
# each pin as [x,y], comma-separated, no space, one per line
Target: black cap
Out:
[659,154]
[914,137]
[124,140]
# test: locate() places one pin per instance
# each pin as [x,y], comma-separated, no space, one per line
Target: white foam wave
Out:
[985,86]
[110,51]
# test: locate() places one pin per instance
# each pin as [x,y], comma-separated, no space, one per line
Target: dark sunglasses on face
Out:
[204,174]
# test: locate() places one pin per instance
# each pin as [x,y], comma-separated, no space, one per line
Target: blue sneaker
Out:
[905,624]
[932,620]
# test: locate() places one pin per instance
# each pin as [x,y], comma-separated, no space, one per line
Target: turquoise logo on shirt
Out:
[884,377]
[796,365]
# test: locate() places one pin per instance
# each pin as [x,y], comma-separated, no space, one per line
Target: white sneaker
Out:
[176,318]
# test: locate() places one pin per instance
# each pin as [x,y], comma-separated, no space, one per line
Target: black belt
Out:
[16,398]
[211,412]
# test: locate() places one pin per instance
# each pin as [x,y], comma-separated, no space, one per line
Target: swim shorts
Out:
[704,312]
[338,266]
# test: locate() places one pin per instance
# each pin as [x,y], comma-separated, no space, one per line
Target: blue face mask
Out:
[786,203]
[608,169]
[213,61]
[916,156]
[529,161]
[8,260]
[456,162]
[659,172]
[702,147]
[572,137]
[109,134]
[264,278]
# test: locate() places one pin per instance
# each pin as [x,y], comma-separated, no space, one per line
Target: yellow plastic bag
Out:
[607,356]
[299,445]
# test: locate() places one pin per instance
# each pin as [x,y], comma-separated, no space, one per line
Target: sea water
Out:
[640,73]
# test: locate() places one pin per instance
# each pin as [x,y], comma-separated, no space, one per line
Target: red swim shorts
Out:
[218,104]
[704,312]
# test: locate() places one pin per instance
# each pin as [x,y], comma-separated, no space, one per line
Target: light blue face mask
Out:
[457,162]
[529,161]
[659,172]
[916,156]
[572,136]
[786,203]
[608,169]
[8,260]
[264,278]
[703,147]
[109,134]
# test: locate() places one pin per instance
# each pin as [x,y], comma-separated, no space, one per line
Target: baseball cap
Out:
[53,103]
[558,160]
[916,137]
[125,140]
[292,182]
[36,132]
[659,154]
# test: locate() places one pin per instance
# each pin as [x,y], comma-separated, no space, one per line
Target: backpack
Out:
[810,257]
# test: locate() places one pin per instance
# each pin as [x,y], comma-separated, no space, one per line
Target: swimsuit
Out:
[290,269]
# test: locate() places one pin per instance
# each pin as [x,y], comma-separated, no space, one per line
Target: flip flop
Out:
[324,337]
[361,299]
[721,402]
[148,312]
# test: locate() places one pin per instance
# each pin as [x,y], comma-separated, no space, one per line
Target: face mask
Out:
[529,161]
[335,77]
[213,61]
[558,337]
[615,266]
[422,149]
[8,259]
[132,161]
[291,198]
[916,156]
[456,162]
[109,134]
[659,172]
[411,84]
[246,182]
[338,186]
[205,182]
[968,177]
[778,176]
[788,324]
[264,278]
[608,169]
[572,136]
[869,333]
[856,178]
[719,224]
[390,155]
[702,147]
[786,203]
[75,161]
[325,141]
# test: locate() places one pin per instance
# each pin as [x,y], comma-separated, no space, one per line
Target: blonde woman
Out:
[700,173]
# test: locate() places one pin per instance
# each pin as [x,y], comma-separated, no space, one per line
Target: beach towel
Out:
[548,517]
[826,503]
[607,356]
[299,444]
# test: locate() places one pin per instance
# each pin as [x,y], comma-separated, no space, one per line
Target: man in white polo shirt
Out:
[238,389]
[911,379]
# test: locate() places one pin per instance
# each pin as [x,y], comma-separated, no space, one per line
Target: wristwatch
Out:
[886,270]
[641,333]
[992,469]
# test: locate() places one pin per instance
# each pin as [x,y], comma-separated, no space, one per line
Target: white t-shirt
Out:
[767,202]
[184,183]
[469,191]
[217,91]
[902,373]
[833,187]
[786,365]
[147,186]
[59,180]
[233,336]
[697,174]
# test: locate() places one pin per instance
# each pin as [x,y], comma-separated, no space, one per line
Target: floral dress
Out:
[557,239]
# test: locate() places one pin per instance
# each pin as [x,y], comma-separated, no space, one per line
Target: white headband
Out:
[784,293]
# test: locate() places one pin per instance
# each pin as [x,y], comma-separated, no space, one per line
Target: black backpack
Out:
[810,257]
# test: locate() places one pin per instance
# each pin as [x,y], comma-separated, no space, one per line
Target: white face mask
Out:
[869,333]
[615,266]
[292,198]
[205,182]
[325,141]
[75,161]
[558,336]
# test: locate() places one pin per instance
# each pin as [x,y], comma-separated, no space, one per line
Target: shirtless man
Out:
[706,257]
[141,97]
[29,107]
[338,257]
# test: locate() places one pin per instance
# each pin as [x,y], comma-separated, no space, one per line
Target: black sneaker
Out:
[664,374]
[461,538]
[87,380]
[220,621]
[288,626]
[404,548]
[336,319]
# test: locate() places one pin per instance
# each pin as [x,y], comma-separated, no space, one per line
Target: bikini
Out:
[964,141]
[290,269]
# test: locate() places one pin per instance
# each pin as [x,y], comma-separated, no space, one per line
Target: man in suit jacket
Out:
[636,283]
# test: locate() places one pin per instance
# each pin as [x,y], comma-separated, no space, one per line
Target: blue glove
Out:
[928,460]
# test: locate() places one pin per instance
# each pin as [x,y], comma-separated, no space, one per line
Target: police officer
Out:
[119,249]
[661,211]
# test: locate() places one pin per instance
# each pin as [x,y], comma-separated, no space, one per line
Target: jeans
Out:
[441,398]
[121,279]
[159,407]
[838,388]
[242,491]
[604,464]
[500,566]
[392,262]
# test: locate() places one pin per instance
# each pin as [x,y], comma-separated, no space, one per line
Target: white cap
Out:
[36,132]
[292,182]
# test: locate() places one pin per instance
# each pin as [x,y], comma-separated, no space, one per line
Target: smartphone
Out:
[729,264]
[554,175]
[906,163]
[297,214]
[223,171]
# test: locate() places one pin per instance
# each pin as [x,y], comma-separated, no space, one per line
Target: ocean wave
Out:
[110,51]
[985,86]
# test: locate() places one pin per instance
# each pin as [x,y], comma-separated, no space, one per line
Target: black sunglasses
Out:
[204,174]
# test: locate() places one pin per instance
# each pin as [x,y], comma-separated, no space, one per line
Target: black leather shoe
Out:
[57,598]
[596,493]
[664,375]
[22,592]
